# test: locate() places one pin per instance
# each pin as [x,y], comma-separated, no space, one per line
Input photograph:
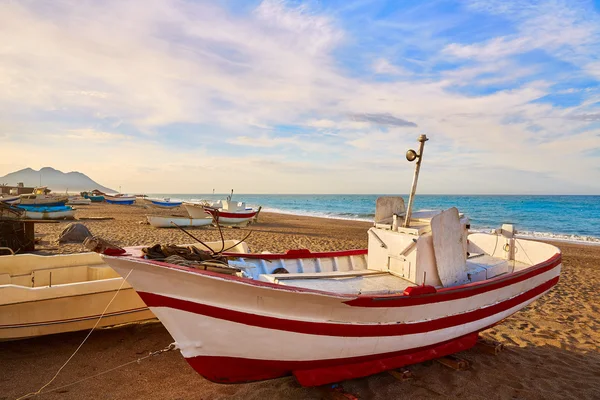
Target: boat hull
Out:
[320,337]
[225,218]
[70,314]
[167,222]
[165,204]
[65,214]
[42,295]
[123,200]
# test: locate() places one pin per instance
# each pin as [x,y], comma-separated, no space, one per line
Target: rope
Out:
[76,350]
[170,347]
[526,255]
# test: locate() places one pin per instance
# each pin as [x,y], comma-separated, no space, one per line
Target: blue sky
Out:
[304,97]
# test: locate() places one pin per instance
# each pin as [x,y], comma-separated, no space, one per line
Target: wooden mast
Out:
[422,139]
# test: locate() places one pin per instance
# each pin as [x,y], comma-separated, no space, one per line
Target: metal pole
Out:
[422,139]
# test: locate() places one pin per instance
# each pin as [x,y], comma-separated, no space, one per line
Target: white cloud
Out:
[81,73]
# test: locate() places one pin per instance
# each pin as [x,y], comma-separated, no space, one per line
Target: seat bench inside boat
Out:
[351,282]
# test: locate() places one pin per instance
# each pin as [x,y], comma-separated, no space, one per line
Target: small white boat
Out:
[172,222]
[229,213]
[165,202]
[121,199]
[78,201]
[8,199]
[423,289]
[42,295]
[53,212]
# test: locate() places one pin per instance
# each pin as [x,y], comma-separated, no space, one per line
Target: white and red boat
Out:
[228,212]
[423,289]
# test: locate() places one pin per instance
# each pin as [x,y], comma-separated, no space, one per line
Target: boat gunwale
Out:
[366,300]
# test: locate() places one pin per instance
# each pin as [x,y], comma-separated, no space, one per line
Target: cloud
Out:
[382,119]
[273,88]
[586,117]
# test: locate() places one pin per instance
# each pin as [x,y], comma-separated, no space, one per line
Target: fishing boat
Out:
[94,198]
[227,212]
[175,221]
[122,199]
[423,289]
[42,295]
[40,198]
[47,212]
[164,202]
[78,201]
[9,199]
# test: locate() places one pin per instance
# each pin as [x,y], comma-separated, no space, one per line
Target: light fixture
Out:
[411,155]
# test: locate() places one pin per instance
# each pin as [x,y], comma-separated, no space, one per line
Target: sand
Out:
[551,347]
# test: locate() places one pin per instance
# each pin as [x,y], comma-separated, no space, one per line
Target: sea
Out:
[567,218]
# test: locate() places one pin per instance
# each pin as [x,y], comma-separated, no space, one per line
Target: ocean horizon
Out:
[574,218]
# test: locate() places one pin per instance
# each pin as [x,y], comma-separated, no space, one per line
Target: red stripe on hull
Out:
[456,292]
[320,372]
[343,330]
[224,214]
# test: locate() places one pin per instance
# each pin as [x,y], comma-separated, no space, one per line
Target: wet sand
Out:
[551,347]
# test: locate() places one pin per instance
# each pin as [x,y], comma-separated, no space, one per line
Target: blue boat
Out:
[44,208]
[165,203]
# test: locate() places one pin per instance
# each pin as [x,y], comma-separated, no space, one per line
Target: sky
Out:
[270,96]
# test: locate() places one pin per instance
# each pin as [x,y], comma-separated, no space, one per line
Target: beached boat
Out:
[47,212]
[174,221]
[42,295]
[122,199]
[423,289]
[78,201]
[43,200]
[8,199]
[229,213]
[94,198]
[165,202]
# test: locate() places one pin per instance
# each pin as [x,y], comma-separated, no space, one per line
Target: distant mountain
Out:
[56,180]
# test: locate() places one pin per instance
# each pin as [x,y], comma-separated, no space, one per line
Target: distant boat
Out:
[47,212]
[122,199]
[42,200]
[78,201]
[164,203]
[167,222]
[229,213]
[94,198]
[9,199]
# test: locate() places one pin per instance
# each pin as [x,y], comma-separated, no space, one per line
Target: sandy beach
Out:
[551,347]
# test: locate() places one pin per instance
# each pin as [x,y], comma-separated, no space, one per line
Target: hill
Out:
[56,180]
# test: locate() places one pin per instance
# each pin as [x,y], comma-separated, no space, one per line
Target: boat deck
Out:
[352,282]
[366,281]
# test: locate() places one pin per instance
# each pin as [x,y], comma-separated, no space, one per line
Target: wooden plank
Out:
[454,362]
[448,246]
[489,346]
[401,374]
[336,392]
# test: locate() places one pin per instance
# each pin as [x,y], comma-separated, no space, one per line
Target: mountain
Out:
[56,180]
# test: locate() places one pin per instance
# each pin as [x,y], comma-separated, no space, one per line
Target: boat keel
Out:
[321,372]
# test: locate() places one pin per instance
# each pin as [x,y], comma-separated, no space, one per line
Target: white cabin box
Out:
[409,252]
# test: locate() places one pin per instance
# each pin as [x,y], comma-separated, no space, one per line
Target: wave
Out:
[366,217]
